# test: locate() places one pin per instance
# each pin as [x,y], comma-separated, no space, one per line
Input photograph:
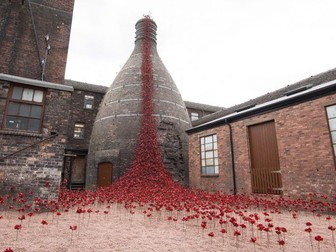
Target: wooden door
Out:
[104,174]
[265,164]
[78,172]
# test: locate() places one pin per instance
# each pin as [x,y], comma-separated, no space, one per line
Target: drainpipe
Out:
[232,160]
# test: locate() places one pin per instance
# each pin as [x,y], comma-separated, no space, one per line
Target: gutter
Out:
[282,102]
[36,83]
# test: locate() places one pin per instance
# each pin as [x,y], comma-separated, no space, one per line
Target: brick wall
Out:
[42,161]
[81,115]
[305,151]
[223,181]
[22,38]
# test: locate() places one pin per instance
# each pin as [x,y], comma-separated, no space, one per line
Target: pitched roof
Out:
[200,106]
[297,87]
[86,86]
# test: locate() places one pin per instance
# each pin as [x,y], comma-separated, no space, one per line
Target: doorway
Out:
[265,164]
[105,172]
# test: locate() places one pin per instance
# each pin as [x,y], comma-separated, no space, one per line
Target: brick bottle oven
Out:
[116,127]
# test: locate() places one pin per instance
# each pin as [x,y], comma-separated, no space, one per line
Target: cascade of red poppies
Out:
[147,172]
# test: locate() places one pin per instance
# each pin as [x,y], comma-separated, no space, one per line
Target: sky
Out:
[219,52]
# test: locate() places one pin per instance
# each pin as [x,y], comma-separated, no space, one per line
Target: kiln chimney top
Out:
[141,32]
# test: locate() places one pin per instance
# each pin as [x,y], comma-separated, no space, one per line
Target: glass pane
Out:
[38,96]
[208,146]
[24,110]
[202,147]
[203,162]
[13,108]
[27,94]
[331,111]
[209,161]
[88,97]
[34,125]
[210,170]
[36,111]
[332,124]
[202,140]
[214,138]
[216,161]
[335,149]
[202,155]
[11,122]
[216,169]
[88,104]
[17,93]
[14,122]
[209,154]
[333,136]
[203,170]
[215,153]
[215,145]
[22,123]
[208,139]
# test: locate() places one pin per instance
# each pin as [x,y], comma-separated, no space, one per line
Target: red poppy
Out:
[332,228]
[253,239]
[281,242]
[318,238]
[73,227]
[44,222]
[18,227]
[223,231]
[308,230]
[211,234]
[236,233]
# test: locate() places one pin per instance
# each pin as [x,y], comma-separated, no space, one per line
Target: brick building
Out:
[34,39]
[281,143]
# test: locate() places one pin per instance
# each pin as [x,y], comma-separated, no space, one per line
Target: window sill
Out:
[20,133]
[210,176]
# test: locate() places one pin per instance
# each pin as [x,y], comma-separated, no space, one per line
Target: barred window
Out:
[79,130]
[24,108]
[209,155]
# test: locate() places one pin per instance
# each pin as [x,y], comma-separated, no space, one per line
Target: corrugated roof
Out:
[293,88]
[86,86]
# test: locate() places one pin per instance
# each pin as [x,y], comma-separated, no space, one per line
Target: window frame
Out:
[209,154]
[88,100]
[21,101]
[81,134]
[192,116]
[331,131]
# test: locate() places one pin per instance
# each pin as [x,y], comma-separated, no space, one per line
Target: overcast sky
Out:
[219,52]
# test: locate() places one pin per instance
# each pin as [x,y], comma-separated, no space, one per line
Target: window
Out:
[331,113]
[79,130]
[209,155]
[24,109]
[88,101]
[194,116]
